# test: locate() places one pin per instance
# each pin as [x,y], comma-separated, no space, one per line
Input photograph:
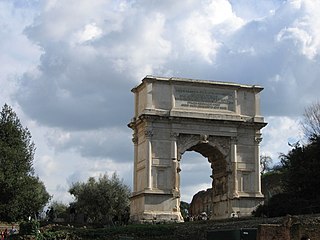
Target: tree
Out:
[311,120]
[103,200]
[265,163]
[302,170]
[21,193]
[271,182]
[59,209]
[299,171]
[184,209]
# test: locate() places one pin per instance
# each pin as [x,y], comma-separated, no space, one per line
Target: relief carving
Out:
[204,138]
[185,141]
[222,143]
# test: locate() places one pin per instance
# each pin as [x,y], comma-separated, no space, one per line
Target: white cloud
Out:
[90,32]
[304,31]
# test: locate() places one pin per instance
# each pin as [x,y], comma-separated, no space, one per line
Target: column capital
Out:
[174,135]
[148,133]
[234,140]
[135,139]
[257,140]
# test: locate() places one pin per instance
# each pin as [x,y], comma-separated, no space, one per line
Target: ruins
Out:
[219,120]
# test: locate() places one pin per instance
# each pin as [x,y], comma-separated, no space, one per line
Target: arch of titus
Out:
[219,120]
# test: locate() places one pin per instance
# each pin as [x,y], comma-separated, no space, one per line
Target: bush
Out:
[30,228]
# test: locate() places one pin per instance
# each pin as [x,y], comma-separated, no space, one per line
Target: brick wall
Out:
[290,229]
[273,232]
[310,230]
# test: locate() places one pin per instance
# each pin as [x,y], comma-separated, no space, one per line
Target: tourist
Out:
[13,230]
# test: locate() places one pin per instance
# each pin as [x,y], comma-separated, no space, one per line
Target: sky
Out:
[67,68]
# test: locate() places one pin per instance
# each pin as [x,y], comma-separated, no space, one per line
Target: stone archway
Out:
[219,120]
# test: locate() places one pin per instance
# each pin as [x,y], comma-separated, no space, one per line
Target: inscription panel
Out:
[204,98]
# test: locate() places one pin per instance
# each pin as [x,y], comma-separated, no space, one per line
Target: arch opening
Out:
[202,201]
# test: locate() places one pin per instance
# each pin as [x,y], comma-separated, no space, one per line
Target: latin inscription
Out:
[204,98]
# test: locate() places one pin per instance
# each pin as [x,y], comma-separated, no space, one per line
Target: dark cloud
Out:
[102,144]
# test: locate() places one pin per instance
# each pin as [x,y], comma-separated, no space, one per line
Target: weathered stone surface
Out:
[219,120]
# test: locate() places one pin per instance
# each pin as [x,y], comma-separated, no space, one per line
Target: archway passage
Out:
[195,179]
[219,120]
[203,204]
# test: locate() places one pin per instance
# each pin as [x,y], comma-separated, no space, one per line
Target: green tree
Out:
[21,193]
[302,170]
[102,200]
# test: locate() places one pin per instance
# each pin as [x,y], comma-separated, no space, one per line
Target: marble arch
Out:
[219,120]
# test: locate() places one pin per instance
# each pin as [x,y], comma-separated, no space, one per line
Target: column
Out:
[234,142]
[175,163]
[258,139]
[135,142]
[148,135]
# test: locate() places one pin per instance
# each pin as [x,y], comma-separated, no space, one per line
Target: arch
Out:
[219,120]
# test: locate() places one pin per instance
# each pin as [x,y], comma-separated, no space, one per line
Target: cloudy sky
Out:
[67,68]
